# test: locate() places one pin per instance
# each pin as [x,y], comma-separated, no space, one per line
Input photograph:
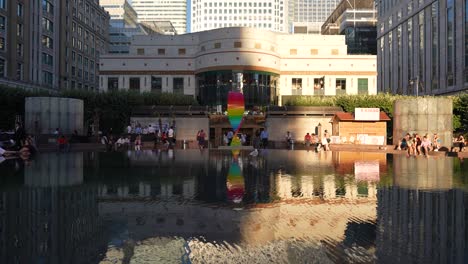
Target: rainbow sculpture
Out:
[235,110]
[235,180]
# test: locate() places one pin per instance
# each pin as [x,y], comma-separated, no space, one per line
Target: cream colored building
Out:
[264,65]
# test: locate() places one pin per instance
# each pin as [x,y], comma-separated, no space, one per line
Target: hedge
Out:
[382,101]
[114,108]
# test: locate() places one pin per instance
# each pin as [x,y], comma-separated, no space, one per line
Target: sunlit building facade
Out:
[308,16]
[264,14]
[422,47]
[174,11]
[264,65]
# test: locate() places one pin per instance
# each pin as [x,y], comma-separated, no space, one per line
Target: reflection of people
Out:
[264,138]
[288,139]
[201,139]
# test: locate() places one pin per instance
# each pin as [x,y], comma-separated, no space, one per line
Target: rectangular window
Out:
[340,84]
[258,45]
[314,52]
[156,84]
[178,85]
[335,52]
[161,51]
[296,83]
[135,84]
[19,71]
[237,44]
[181,51]
[19,10]
[2,23]
[112,84]
[47,42]
[47,59]
[2,68]
[363,87]
[141,51]
[47,7]
[3,5]
[19,30]
[319,83]
[47,78]
[47,25]
[217,45]
[19,49]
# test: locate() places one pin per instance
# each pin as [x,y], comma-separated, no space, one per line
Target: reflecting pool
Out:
[191,206]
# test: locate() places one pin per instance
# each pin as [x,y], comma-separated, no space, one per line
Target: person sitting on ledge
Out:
[403,143]
[460,141]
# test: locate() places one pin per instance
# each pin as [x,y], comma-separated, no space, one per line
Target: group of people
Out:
[311,140]
[21,146]
[167,138]
[416,144]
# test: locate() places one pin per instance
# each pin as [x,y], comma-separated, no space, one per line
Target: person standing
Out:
[201,139]
[230,135]
[170,136]
[307,140]
[138,143]
[264,138]
[288,138]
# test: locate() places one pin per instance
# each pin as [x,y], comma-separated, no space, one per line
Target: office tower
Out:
[422,47]
[264,14]
[309,15]
[50,43]
[357,20]
[174,11]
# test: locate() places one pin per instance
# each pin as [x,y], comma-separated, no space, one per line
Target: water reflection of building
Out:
[50,225]
[422,226]
[423,173]
[422,218]
[52,218]
[55,169]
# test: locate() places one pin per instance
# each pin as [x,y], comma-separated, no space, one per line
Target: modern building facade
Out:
[357,20]
[263,14]
[307,16]
[174,11]
[123,25]
[36,51]
[422,47]
[264,65]
[121,13]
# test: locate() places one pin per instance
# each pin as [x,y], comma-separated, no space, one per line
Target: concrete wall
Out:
[423,115]
[53,112]
[186,128]
[297,125]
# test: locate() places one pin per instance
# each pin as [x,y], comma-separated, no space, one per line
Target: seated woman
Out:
[436,142]
[426,145]
[460,141]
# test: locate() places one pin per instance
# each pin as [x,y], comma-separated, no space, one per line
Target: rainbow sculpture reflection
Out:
[235,180]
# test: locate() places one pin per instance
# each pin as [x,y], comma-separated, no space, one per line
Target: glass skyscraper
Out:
[422,49]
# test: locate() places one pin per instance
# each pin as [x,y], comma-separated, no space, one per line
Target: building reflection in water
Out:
[50,219]
[422,217]
[351,202]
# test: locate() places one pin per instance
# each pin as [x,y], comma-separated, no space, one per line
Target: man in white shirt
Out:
[170,135]
[129,129]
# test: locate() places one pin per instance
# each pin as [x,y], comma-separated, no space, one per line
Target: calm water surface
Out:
[187,206]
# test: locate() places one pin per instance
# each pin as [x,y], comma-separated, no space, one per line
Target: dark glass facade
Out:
[259,88]
[361,40]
